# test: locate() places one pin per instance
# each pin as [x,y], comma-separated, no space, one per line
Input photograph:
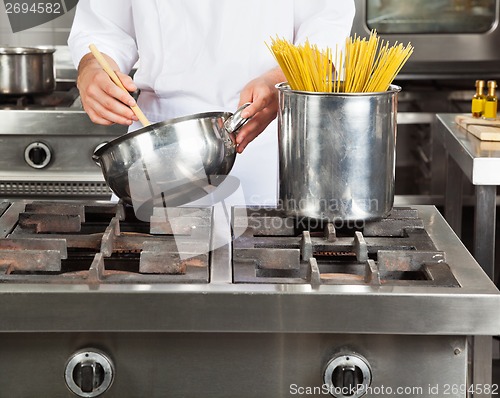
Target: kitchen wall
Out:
[51,34]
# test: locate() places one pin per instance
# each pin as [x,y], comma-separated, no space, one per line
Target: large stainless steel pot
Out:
[173,162]
[25,70]
[337,153]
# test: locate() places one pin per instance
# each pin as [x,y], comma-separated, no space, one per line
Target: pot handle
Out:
[234,122]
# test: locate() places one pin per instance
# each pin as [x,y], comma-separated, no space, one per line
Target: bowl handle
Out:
[234,122]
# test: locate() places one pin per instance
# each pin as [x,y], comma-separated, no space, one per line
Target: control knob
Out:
[37,155]
[89,373]
[347,376]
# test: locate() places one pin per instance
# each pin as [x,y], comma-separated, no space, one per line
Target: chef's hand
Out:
[263,95]
[103,100]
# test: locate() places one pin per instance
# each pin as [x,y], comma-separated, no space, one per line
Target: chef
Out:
[196,56]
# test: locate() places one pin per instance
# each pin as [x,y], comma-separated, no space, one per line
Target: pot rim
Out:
[25,50]
[284,87]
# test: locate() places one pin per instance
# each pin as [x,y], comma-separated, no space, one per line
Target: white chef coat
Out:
[197,55]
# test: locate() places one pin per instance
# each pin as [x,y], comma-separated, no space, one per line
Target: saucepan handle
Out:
[235,122]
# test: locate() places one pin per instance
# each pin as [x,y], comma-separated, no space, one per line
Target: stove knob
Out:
[347,376]
[89,373]
[37,155]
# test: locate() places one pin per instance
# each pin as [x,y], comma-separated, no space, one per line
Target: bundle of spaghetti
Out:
[369,65]
[366,65]
[305,66]
[359,59]
[388,65]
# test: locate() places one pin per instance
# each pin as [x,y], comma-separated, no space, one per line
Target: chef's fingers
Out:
[262,111]
[112,111]
[261,92]
[260,98]
[103,99]
[129,85]
[253,109]
[254,127]
[109,87]
[105,107]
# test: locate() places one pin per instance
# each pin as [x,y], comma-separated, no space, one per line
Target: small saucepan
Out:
[26,70]
[171,163]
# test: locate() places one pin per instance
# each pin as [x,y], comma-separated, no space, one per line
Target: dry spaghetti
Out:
[365,65]
[304,66]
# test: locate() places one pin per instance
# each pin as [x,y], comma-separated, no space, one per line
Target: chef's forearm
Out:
[89,61]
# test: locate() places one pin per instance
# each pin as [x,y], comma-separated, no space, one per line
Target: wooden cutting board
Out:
[485,130]
[490,146]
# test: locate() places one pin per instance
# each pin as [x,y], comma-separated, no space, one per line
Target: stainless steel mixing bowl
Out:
[173,162]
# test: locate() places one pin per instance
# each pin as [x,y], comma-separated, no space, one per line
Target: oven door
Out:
[449,36]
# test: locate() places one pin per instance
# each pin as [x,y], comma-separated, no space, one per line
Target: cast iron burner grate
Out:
[56,242]
[393,251]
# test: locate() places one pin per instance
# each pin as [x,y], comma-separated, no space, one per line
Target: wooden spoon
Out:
[111,73]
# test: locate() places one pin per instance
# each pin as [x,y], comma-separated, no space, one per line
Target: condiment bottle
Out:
[478,99]
[490,104]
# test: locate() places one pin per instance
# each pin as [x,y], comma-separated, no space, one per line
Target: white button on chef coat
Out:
[197,55]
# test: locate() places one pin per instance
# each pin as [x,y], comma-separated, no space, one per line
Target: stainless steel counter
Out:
[479,161]
[224,338]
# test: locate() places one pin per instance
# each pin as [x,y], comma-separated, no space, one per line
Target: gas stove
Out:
[245,302]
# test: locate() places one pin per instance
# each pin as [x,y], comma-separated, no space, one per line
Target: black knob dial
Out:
[37,155]
[89,373]
[347,378]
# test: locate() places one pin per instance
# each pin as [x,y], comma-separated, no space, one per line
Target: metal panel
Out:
[58,130]
[218,365]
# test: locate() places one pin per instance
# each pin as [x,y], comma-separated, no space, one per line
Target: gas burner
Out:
[78,242]
[103,243]
[393,251]
[63,99]
[15,101]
